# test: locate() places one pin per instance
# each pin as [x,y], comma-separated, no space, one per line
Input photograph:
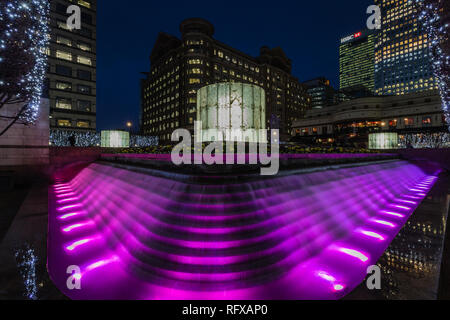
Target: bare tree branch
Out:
[15,119]
[22,58]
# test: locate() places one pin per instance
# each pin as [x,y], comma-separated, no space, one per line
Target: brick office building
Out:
[179,67]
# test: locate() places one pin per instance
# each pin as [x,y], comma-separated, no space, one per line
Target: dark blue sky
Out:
[308,31]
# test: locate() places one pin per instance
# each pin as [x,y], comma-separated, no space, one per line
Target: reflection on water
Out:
[26,263]
[411,265]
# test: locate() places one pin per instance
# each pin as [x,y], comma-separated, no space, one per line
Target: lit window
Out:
[82,124]
[84,60]
[84,46]
[64,123]
[63,103]
[63,25]
[64,55]
[64,86]
[64,41]
[195,71]
[46,51]
[409,121]
[84,3]
[426,121]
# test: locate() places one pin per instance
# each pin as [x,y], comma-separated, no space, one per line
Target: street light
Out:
[129,124]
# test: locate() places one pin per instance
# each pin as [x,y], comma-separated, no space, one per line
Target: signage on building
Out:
[351,37]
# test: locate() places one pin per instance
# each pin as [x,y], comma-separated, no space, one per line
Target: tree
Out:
[24,34]
[434,17]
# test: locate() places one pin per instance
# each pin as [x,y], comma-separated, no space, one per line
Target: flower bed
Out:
[283,150]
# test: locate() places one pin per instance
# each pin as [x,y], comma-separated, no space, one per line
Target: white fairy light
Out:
[430,15]
[35,41]
[61,138]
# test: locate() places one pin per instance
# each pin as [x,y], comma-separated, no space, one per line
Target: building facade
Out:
[355,119]
[71,76]
[180,67]
[357,61]
[321,92]
[402,54]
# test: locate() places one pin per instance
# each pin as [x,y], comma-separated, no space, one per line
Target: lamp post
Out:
[129,125]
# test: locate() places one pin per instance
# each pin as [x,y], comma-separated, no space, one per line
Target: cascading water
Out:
[137,235]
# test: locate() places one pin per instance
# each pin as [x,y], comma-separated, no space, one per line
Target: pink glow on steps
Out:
[173,243]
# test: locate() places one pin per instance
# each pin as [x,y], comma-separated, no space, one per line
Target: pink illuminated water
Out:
[298,236]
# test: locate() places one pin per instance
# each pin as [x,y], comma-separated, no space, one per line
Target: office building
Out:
[71,77]
[355,119]
[321,92]
[356,61]
[180,67]
[402,53]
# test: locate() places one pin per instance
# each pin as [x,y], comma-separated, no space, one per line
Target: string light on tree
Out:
[24,35]
[430,16]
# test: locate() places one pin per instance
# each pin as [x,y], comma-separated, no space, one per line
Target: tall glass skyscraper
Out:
[356,61]
[402,55]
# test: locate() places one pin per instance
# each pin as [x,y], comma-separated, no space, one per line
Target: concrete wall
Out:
[24,145]
[24,152]
[66,162]
[61,156]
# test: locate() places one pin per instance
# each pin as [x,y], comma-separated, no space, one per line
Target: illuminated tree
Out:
[24,34]
[434,16]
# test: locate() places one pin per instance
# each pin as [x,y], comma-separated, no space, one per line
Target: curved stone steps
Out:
[234,235]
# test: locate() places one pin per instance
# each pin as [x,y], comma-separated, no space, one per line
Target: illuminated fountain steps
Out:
[299,236]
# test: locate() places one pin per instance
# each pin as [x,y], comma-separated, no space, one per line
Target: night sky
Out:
[308,32]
